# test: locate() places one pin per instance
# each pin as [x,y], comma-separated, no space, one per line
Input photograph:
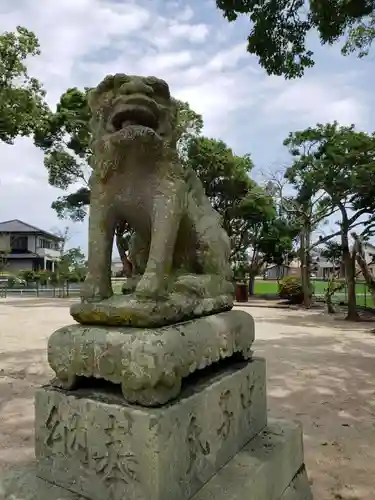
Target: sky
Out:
[204,60]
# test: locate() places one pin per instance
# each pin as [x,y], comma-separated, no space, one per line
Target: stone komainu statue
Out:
[137,177]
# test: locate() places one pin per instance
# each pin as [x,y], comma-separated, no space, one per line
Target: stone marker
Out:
[157,395]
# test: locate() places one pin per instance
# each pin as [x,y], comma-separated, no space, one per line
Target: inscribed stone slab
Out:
[107,450]
[24,485]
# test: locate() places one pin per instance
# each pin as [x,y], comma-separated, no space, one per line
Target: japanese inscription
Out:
[227,414]
[67,434]
[114,462]
[197,447]
[247,393]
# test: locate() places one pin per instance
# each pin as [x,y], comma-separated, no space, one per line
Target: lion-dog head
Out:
[132,112]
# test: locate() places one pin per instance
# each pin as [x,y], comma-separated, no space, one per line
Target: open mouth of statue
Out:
[134,116]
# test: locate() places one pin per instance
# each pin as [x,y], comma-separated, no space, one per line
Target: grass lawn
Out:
[264,287]
[268,287]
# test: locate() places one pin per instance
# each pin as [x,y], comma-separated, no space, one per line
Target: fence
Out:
[65,290]
[363,295]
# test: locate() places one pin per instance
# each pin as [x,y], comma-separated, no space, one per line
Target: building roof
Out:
[22,256]
[272,266]
[18,226]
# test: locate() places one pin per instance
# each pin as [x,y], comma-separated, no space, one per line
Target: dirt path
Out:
[320,371]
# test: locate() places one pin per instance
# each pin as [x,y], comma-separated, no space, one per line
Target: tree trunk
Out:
[361,260]
[331,289]
[122,245]
[349,262]
[251,284]
[305,266]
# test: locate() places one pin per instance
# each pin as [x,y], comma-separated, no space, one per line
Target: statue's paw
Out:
[150,286]
[92,289]
[89,290]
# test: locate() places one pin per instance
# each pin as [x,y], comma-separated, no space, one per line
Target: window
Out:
[53,245]
[45,243]
[18,242]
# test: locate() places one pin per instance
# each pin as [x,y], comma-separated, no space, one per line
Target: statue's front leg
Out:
[169,206]
[97,284]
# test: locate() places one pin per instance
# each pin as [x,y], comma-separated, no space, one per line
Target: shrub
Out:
[290,288]
[28,275]
[12,280]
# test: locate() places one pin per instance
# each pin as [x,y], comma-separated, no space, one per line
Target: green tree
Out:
[332,252]
[361,36]
[333,160]
[65,140]
[72,264]
[3,260]
[22,105]
[280,28]
[304,212]
[247,210]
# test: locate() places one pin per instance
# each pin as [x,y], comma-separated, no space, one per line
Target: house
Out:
[116,266]
[277,272]
[26,247]
[324,269]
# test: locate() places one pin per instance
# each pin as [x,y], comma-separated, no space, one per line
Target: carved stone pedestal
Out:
[100,447]
[149,364]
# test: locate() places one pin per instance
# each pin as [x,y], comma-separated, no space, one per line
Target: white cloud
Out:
[317,100]
[184,14]
[204,60]
[193,33]
[167,60]
[230,58]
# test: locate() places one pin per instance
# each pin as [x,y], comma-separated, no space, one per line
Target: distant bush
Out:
[290,288]
[28,275]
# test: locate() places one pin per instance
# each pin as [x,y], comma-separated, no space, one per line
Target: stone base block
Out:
[268,468]
[101,448]
[299,488]
[148,363]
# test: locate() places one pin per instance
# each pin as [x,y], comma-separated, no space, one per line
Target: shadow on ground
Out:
[319,319]
[328,382]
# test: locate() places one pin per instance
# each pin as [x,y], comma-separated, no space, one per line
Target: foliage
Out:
[3,259]
[334,161]
[27,275]
[361,36]
[290,288]
[247,210]
[332,251]
[22,105]
[240,270]
[65,141]
[280,29]
[72,265]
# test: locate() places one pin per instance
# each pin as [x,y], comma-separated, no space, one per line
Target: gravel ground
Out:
[320,371]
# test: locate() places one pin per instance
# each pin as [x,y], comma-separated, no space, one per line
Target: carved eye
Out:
[160,87]
[105,85]
[119,79]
